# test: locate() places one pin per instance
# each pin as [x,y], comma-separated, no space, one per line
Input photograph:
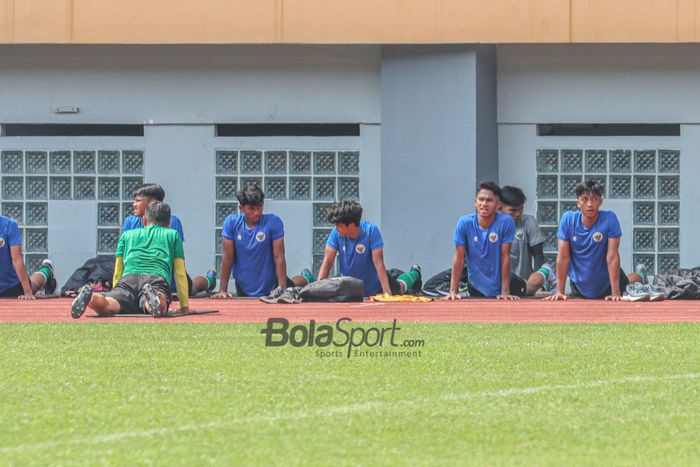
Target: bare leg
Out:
[104,306]
[634,277]
[534,283]
[199,284]
[300,281]
[37,281]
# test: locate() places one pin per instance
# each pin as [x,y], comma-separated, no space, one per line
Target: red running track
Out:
[463,311]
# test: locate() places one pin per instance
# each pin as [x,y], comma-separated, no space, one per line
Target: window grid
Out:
[649,178]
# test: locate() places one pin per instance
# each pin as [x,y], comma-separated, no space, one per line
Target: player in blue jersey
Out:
[14,282]
[589,243]
[143,196]
[484,238]
[253,245]
[361,249]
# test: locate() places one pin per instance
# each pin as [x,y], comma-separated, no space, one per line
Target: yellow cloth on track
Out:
[398,298]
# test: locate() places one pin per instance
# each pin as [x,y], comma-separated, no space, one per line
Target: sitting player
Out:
[253,245]
[485,239]
[143,196]
[361,251]
[145,260]
[589,243]
[14,281]
[527,250]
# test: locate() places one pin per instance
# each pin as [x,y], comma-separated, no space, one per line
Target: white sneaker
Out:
[655,295]
[636,293]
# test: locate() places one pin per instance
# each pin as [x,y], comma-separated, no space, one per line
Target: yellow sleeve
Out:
[181,283]
[118,270]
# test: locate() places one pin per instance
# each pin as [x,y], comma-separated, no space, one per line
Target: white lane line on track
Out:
[367,304]
[362,407]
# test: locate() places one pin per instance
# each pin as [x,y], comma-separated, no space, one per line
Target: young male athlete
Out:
[361,251]
[589,243]
[485,239]
[253,245]
[14,281]
[145,260]
[143,196]
[527,250]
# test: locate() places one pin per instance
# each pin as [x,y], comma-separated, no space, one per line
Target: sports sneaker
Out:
[290,295]
[550,278]
[308,275]
[273,296]
[418,284]
[643,271]
[50,286]
[81,301]
[211,277]
[636,293]
[153,300]
[655,295]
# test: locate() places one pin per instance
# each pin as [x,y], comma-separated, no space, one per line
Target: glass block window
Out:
[32,178]
[315,177]
[647,178]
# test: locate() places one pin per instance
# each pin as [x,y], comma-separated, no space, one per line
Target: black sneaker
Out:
[153,300]
[81,302]
[290,295]
[50,286]
[274,296]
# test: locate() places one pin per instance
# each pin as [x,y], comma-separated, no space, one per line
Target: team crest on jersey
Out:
[239,237]
[2,242]
[260,237]
[360,248]
[597,237]
[519,234]
[476,239]
[493,237]
[574,237]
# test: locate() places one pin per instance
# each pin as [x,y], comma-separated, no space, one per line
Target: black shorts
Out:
[240,293]
[129,295]
[624,282]
[13,292]
[518,287]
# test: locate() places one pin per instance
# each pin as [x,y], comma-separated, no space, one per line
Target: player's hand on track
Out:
[557,296]
[452,296]
[223,295]
[614,297]
[507,297]
[27,296]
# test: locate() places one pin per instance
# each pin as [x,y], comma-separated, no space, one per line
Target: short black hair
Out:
[150,190]
[589,187]
[344,212]
[158,213]
[251,195]
[491,186]
[512,196]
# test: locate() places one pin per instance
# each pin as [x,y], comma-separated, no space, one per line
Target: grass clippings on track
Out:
[480,394]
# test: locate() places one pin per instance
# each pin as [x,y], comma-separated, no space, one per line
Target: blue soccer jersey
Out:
[483,250]
[253,261]
[589,267]
[355,255]
[9,236]
[135,222]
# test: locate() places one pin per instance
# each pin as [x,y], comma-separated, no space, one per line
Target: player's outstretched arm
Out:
[378,260]
[328,258]
[563,261]
[21,270]
[226,265]
[613,259]
[457,267]
[181,283]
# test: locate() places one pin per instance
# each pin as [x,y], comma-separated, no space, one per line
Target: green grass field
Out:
[480,394]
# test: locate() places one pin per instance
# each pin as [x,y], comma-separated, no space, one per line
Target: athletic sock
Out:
[409,278]
[545,274]
[306,274]
[46,271]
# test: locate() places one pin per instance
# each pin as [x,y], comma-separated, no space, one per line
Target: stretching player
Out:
[253,245]
[14,281]
[143,196]
[361,251]
[589,243]
[146,258]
